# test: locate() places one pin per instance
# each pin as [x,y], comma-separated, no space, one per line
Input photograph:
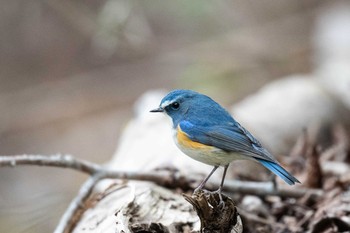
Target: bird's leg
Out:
[200,187]
[221,185]
[223,177]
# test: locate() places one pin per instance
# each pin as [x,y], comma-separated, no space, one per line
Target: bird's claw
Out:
[221,203]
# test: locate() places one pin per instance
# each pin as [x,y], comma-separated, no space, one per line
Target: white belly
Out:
[208,154]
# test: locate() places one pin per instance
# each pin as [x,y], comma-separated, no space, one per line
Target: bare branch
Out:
[168,179]
[63,161]
[68,161]
[268,189]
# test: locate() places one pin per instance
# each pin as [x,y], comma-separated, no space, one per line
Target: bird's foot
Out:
[201,190]
[197,190]
[221,204]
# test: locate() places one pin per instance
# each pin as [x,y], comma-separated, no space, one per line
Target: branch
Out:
[269,189]
[68,161]
[168,180]
[63,161]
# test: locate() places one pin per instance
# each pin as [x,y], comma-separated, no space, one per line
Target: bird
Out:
[206,132]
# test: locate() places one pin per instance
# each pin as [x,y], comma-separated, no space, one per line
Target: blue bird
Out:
[206,132]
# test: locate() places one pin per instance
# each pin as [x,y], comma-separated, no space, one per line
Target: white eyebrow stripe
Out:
[166,103]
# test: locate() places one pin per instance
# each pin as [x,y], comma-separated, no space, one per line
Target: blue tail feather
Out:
[279,171]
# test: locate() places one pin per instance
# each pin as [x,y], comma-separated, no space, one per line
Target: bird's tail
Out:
[279,171]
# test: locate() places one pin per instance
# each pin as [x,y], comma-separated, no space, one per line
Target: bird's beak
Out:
[157,110]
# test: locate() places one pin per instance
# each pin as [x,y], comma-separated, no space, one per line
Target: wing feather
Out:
[231,138]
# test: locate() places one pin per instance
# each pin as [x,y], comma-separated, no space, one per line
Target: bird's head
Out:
[177,103]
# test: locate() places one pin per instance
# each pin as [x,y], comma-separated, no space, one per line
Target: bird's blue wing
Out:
[231,138]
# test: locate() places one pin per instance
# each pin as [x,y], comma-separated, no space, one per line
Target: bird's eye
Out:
[175,105]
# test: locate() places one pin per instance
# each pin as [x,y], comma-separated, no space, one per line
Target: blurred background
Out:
[70,72]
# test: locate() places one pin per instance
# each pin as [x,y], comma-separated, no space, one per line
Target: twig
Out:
[63,161]
[235,186]
[68,161]
[268,189]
